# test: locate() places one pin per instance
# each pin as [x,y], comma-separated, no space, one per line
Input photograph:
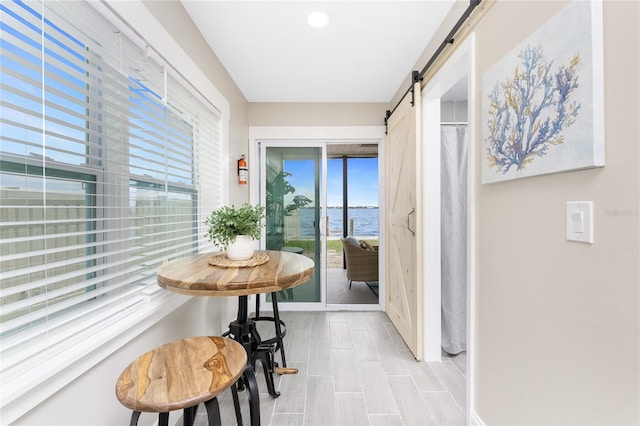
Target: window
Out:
[103,156]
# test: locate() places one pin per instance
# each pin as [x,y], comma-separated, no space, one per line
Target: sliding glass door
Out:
[316,194]
[292,197]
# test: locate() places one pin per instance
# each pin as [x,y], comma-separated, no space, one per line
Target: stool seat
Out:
[181,374]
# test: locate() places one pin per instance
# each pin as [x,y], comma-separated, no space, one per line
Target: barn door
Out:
[403,268]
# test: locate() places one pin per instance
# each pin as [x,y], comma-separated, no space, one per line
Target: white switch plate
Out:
[580,221]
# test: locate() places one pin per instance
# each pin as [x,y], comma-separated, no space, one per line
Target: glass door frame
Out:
[262,147]
[260,196]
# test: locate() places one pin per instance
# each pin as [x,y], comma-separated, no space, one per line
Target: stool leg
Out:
[134,418]
[265,356]
[254,397]
[189,416]
[276,317]
[213,412]
[236,403]
[163,419]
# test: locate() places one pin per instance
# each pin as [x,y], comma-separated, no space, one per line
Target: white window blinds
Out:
[104,155]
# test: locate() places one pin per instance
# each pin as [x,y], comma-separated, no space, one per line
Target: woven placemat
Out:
[222,260]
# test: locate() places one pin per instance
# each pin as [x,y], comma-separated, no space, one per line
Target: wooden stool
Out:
[182,374]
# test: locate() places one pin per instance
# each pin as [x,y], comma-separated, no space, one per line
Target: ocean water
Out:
[365,221]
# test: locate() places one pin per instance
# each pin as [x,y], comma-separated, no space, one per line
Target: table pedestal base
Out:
[244,331]
[247,335]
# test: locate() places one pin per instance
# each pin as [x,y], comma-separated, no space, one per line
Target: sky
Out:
[363,180]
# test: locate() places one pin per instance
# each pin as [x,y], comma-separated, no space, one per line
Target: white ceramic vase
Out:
[241,248]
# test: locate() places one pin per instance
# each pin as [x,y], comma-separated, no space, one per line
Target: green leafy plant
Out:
[225,223]
[278,187]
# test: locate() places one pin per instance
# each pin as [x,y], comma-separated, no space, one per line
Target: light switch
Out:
[577,222]
[580,221]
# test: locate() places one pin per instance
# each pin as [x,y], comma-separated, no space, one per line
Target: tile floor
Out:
[354,369]
[339,293]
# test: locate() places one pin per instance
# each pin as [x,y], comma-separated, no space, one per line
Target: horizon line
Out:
[351,207]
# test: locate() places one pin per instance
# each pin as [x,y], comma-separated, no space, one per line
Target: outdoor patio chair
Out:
[362,262]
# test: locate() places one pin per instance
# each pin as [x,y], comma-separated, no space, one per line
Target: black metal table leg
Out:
[244,331]
[279,332]
[279,325]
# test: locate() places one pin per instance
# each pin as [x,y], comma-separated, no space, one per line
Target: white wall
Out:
[558,322]
[316,114]
[453,111]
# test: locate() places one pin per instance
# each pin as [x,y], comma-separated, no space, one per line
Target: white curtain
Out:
[454,237]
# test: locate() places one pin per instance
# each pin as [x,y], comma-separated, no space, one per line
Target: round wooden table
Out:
[193,275]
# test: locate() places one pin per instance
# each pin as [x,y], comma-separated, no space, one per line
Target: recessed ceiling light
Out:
[318,19]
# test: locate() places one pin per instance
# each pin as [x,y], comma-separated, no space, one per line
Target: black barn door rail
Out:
[418,76]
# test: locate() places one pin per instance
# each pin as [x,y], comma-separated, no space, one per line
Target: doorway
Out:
[352,217]
[453,218]
[308,187]
[455,81]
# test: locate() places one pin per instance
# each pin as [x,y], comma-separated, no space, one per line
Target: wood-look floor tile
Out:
[286,419]
[227,410]
[296,346]
[293,390]
[320,402]
[460,361]
[320,361]
[385,420]
[395,336]
[413,410]
[377,393]
[225,402]
[423,375]
[267,405]
[378,331]
[340,336]
[345,370]
[336,317]
[299,323]
[365,350]
[356,320]
[351,409]
[375,317]
[453,380]
[318,329]
[393,361]
[260,378]
[444,408]
[389,390]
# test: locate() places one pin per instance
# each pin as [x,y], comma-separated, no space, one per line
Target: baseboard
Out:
[476,420]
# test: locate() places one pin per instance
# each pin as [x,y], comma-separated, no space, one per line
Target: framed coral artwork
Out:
[542,108]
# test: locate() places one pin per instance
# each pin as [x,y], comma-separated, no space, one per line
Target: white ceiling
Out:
[363,54]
